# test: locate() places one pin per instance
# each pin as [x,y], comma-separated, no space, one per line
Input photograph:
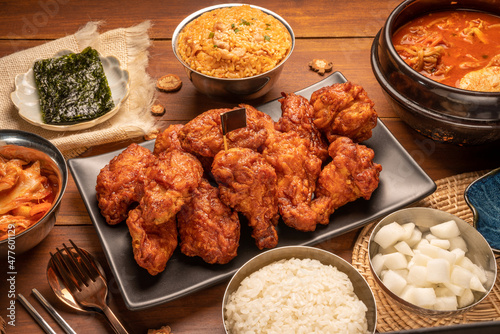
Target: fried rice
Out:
[234,42]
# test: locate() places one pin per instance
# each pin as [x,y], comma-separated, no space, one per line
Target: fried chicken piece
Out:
[168,139]
[203,135]
[171,180]
[297,114]
[344,109]
[207,227]
[351,174]
[153,244]
[297,168]
[248,183]
[121,182]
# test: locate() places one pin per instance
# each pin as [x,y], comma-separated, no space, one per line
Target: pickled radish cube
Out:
[420,259]
[436,253]
[395,261]
[446,230]
[466,298]
[461,277]
[467,264]
[458,242]
[394,282]
[387,250]
[402,272]
[403,248]
[424,297]
[407,293]
[389,234]
[415,237]
[480,273]
[421,243]
[441,243]
[429,250]
[476,285]
[459,253]
[417,276]
[446,303]
[438,271]
[378,263]
[429,236]
[408,227]
[443,291]
[457,290]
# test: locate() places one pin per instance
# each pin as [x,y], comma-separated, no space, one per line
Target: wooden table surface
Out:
[340,31]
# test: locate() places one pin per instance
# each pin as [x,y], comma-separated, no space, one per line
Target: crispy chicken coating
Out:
[168,139]
[152,244]
[351,174]
[248,183]
[171,180]
[121,182]
[208,228]
[297,168]
[203,135]
[297,114]
[344,109]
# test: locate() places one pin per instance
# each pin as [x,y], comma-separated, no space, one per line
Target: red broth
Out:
[444,46]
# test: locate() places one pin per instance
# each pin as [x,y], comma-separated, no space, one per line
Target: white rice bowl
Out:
[296,296]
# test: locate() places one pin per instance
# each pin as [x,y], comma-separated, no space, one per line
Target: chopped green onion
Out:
[211,35]
[267,38]
[245,22]
[236,30]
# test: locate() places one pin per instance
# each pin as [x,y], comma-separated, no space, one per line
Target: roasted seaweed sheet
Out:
[72,88]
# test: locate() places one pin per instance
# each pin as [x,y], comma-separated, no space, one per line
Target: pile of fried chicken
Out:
[190,189]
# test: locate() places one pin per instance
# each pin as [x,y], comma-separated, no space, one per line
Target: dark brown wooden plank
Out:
[49,19]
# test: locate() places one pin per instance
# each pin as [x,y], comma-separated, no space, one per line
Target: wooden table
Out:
[340,31]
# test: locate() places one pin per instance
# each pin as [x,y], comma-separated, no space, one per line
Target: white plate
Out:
[26,98]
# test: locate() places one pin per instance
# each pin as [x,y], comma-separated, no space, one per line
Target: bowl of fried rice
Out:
[233,50]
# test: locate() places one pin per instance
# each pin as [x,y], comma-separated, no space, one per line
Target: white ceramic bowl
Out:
[26,98]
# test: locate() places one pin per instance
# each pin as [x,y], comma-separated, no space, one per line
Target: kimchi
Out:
[26,195]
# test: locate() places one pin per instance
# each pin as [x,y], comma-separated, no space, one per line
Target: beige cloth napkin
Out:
[130,46]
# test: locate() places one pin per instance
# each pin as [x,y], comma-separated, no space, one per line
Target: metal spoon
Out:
[57,284]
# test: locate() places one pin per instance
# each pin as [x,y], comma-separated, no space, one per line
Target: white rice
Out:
[296,296]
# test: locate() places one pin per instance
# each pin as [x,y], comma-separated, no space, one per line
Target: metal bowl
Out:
[440,112]
[361,287]
[478,251]
[31,147]
[239,88]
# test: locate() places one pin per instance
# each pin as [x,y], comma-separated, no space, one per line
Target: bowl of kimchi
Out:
[438,63]
[33,179]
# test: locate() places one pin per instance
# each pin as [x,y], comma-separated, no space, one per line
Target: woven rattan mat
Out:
[449,196]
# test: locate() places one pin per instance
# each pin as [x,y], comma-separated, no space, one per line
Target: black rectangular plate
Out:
[402,182]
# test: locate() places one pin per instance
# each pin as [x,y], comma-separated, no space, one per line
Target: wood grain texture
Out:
[340,31]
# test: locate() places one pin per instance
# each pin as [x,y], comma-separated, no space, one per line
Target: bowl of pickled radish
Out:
[431,262]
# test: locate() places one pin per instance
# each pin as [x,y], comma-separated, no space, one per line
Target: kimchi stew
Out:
[456,48]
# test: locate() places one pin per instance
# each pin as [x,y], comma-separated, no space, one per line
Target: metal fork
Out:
[83,279]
